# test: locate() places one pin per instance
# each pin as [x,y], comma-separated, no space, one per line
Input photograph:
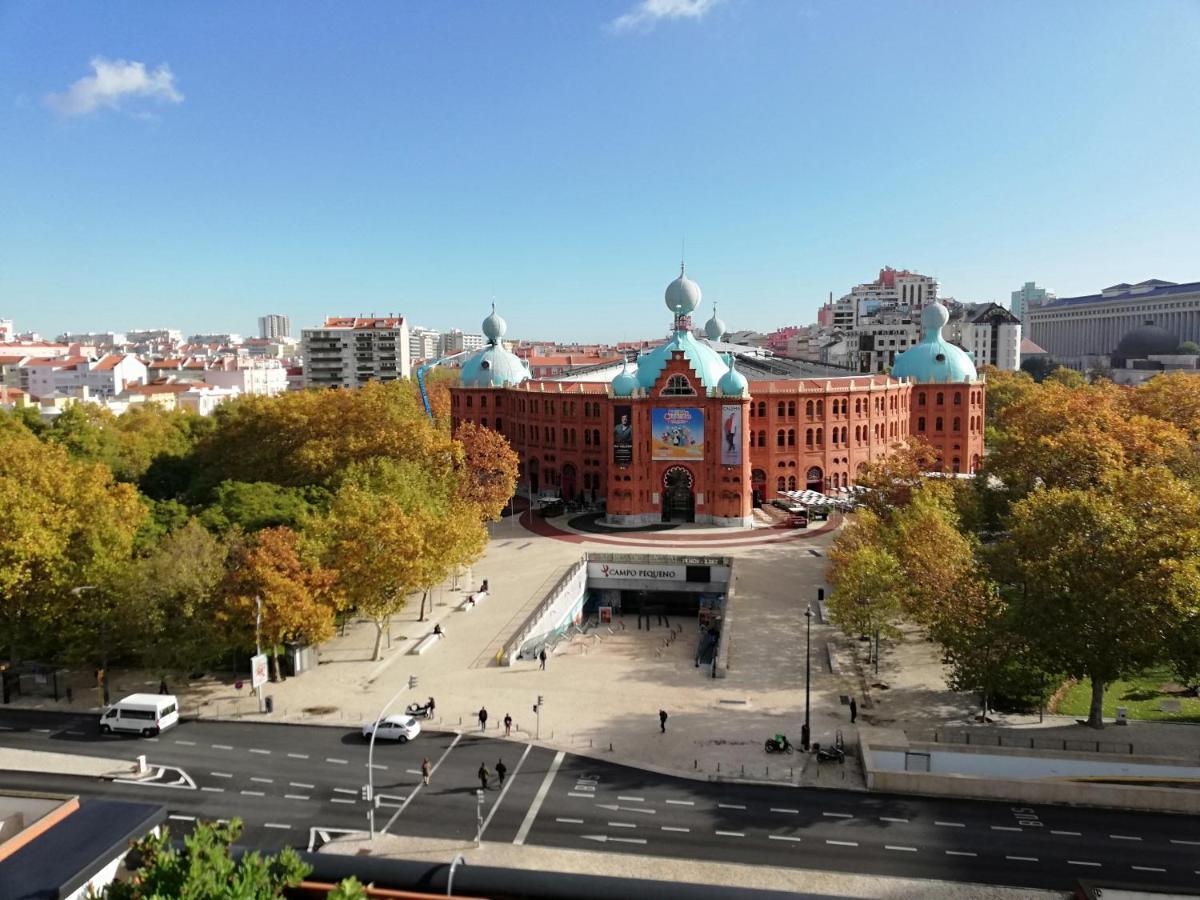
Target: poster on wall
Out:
[731,434]
[677,432]
[622,435]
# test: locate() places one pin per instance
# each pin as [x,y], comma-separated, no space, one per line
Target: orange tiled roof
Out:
[361,322]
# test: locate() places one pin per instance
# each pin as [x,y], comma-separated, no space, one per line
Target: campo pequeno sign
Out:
[602,571]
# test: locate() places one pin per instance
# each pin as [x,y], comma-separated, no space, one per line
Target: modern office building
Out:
[350,351]
[274,327]
[1030,296]
[1072,328]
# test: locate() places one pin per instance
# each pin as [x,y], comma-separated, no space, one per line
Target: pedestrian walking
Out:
[662,720]
[542,657]
[426,771]
[483,775]
[162,687]
[501,771]
[483,718]
[507,725]
[853,710]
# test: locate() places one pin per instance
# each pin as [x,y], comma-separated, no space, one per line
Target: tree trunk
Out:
[424,597]
[378,637]
[1096,714]
[275,662]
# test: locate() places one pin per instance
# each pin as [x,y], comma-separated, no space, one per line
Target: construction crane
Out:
[423,370]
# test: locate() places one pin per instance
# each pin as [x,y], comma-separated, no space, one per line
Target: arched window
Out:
[468,401]
[920,423]
[958,399]
[678,386]
[791,437]
[820,407]
[779,438]
[791,482]
[833,436]
[858,406]
[844,433]
[937,424]
[596,437]
[957,422]
[587,437]
[808,409]
[820,435]
[941,399]
[808,437]
[483,421]
[781,484]
[499,425]
[974,463]
[779,409]
[762,439]
[920,398]
[752,410]
[956,465]
[791,407]
[762,409]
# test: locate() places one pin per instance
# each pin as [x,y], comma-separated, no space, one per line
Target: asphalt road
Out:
[296,785]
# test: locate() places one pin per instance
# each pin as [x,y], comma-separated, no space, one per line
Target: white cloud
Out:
[649,13]
[111,83]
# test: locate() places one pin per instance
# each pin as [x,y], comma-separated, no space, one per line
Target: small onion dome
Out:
[733,383]
[934,359]
[714,328]
[682,295]
[1145,341]
[625,383]
[494,326]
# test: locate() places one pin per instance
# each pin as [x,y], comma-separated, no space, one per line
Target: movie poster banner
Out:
[731,434]
[622,435]
[677,432]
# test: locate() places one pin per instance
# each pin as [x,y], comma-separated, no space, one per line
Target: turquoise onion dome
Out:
[625,383]
[704,360]
[934,359]
[682,294]
[733,383]
[494,365]
[714,328]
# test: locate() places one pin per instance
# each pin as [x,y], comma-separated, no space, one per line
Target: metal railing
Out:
[555,593]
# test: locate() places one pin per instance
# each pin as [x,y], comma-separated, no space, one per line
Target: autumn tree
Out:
[1170,397]
[296,593]
[1100,578]
[891,481]
[487,475]
[1004,388]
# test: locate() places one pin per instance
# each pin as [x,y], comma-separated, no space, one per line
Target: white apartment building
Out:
[7,329]
[265,377]
[105,377]
[107,340]
[990,333]
[1070,328]
[454,340]
[350,351]
[154,336]
[1030,296]
[274,326]
[892,290]
[424,343]
[223,338]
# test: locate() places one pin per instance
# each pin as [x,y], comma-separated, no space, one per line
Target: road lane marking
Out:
[730,806]
[674,828]
[838,815]
[504,790]
[1188,843]
[1079,862]
[295,796]
[416,790]
[301,784]
[682,802]
[263,752]
[604,839]
[626,825]
[412,771]
[345,791]
[183,818]
[784,837]
[892,819]
[950,824]
[633,809]
[336,762]
[41,730]
[904,849]
[213,790]
[221,774]
[843,843]
[1022,858]
[576,794]
[539,798]
[263,780]
[381,766]
[1148,868]
[297,756]
[780,809]
[275,825]
[151,740]
[339,800]
[960,853]
[1124,837]
[633,799]
[221,747]
[723,833]
[1005,828]
[569,821]
[1067,833]
[181,743]
[253,793]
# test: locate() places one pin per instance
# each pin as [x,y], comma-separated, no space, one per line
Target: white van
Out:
[145,714]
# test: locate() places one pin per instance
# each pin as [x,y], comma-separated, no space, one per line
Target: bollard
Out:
[695,763]
[589,742]
[768,771]
[610,749]
[743,770]
[791,772]
[718,767]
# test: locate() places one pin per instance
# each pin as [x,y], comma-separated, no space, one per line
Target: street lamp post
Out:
[805,731]
[370,797]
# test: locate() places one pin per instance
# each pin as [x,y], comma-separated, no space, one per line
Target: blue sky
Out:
[422,157]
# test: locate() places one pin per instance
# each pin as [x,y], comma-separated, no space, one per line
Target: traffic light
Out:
[366,792]
[412,682]
[541,700]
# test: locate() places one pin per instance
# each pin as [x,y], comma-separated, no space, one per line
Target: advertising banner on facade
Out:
[677,432]
[731,434]
[622,435]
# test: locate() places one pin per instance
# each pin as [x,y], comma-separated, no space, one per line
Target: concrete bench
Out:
[473,600]
[831,652]
[426,642]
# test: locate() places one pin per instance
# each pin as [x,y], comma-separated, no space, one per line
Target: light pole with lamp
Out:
[805,731]
[370,786]
[79,592]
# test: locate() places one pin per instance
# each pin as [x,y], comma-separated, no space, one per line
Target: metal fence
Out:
[1023,741]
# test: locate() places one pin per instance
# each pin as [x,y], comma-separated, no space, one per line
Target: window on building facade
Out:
[956,465]
[678,386]
[920,398]
[808,409]
[779,409]
[762,439]
[820,435]
[781,483]
[779,438]
[791,408]
[957,424]
[791,437]
[958,399]
[596,437]
[844,433]
[791,482]
[762,409]
[941,399]
[499,424]
[820,407]
[921,423]
[468,400]
[937,424]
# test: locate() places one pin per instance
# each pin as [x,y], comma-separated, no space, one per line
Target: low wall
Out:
[1054,791]
[561,608]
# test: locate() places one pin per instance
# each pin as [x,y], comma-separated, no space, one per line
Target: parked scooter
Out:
[836,753]
[779,744]
[421,710]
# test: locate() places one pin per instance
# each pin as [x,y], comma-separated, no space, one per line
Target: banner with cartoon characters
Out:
[677,432]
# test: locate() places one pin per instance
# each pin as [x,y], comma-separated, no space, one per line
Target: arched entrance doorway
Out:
[758,484]
[814,480]
[679,503]
[534,472]
[568,481]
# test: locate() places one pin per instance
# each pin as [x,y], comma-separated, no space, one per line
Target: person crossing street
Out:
[501,771]
[483,776]
[426,771]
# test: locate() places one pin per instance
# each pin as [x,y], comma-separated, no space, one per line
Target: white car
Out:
[394,728]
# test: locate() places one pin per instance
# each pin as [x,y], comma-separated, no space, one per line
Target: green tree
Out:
[867,586]
[1066,377]
[1005,388]
[258,505]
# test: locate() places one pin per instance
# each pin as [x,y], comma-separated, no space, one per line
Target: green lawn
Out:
[1141,694]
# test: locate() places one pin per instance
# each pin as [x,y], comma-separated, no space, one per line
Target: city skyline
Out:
[426,161]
